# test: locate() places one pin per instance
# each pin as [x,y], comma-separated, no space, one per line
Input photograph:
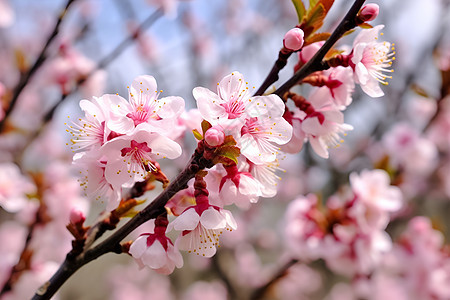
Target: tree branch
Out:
[259,293]
[112,243]
[315,63]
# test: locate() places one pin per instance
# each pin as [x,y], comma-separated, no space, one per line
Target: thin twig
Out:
[259,293]
[25,78]
[112,243]
[315,63]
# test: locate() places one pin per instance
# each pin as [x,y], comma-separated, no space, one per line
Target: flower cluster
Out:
[118,141]
[350,234]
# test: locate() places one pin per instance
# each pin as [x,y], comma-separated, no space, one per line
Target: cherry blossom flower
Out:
[90,133]
[293,39]
[144,110]
[373,188]
[14,188]
[324,125]
[341,86]
[256,123]
[239,188]
[156,251]
[233,101]
[93,180]
[201,227]
[130,158]
[371,60]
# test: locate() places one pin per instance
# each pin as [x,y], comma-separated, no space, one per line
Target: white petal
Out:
[155,256]
[208,104]
[188,220]
[139,246]
[212,219]
[144,83]
[171,107]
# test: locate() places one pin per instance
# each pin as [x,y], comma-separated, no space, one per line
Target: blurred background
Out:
[101,46]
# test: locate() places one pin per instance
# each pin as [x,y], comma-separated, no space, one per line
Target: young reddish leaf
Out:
[197,134]
[327,4]
[205,126]
[226,153]
[300,8]
[317,37]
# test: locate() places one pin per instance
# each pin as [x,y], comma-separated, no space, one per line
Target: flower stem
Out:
[315,63]
[112,243]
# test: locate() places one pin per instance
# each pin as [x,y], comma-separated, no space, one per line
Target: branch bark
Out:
[315,63]
[112,243]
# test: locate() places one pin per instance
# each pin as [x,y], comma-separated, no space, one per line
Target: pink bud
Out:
[77,216]
[293,39]
[368,13]
[215,136]
[309,51]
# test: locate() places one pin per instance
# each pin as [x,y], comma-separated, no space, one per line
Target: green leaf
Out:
[197,134]
[227,152]
[317,37]
[205,126]
[312,3]
[300,8]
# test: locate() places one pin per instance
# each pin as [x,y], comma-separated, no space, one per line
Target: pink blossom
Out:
[215,136]
[256,123]
[93,180]
[260,137]
[239,188]
[130,157]
[90,133]
[156,251]
[233,101]
[373,188]
[341,86]
[14,188]
[409,150]
[293,39]
[369,12]
[325,124]
[370,60]
[309,51]
[144,110]
[7,15]
[201,228]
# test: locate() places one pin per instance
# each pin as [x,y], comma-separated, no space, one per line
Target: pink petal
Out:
[208,104]
[144,83]
[212,219]
[155,256]
[188,220]
[139,246]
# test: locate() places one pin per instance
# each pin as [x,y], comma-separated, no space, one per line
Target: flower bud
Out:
[215,136]
[368,13]
[77,216]
[293,39]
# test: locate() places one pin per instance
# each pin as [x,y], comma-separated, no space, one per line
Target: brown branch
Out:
[315,63]
[259,293]
[112,243]
[25,78]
